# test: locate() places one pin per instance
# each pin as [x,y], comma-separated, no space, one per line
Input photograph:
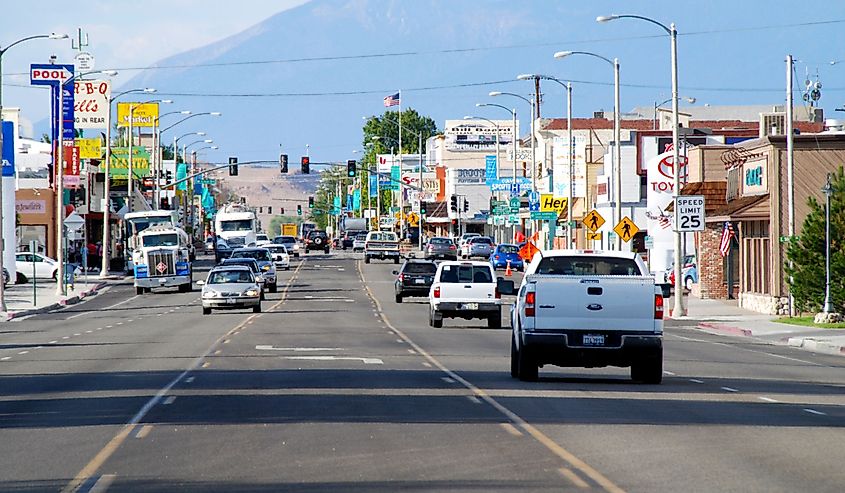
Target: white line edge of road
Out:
[514,418]
[127,300]
[94,464]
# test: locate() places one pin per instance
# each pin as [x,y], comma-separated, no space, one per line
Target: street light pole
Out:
[496,126]
[512,111]
[828,191]
[3,307]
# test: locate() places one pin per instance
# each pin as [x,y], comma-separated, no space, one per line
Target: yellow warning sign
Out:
[593,236]
[413,219]
[593,220]
[626,229]
[550,203]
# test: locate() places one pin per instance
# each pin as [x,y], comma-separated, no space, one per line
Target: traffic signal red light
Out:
[306,165]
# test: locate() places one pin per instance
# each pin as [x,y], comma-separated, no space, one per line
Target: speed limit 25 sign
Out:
[689,213]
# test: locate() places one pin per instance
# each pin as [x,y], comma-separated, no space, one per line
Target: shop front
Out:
[35,220]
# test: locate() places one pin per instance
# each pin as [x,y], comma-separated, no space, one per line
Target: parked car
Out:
[265,263]
[414,279]
[479,246]
[280,256]
[504,253]
[290,242]
[209,245]
[441,247]
[466,290]
[253,267]
[45,267]
[228,287]
[261,239]
[689,274]
[317,240]
[348,238]
[360,242]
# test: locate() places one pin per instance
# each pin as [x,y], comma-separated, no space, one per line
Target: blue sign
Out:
[181,174]
[491,168]
[534,202]
[54,75]
[49,74]
[356,199]
[8,148]
[373,188]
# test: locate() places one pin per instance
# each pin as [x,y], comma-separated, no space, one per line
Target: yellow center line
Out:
[514,418]
[111,447]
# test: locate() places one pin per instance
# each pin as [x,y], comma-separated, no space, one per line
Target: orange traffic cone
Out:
[508,272]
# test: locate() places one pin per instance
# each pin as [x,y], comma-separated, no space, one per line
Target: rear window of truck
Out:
[466,273]
[588,266]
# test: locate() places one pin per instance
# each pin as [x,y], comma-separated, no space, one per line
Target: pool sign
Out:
[689,213]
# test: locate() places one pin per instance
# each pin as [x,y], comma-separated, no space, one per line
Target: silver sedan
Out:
[230,287]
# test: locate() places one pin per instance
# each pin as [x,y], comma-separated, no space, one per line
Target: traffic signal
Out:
[454,203]
[298,210]
[311,202]
[233,166]
[466,205]
[422,208]
[283,162]
[350,168]
[305,163]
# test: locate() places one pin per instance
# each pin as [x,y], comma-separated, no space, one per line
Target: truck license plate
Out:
[470,306]
[416,281]
[593,340]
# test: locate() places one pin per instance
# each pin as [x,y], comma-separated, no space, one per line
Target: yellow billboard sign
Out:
[289,229]
[550,203]
[143,114]
[89,148]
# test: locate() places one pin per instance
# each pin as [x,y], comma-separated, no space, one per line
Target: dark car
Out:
[317,240]
[289,242]
[414,278]
[441,247]
[348,238]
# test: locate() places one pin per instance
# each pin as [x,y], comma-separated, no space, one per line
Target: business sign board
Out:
[523,154]
[89,148]
[472,176]
[560,165]
[550,203]
[477,135]
[140,162]
[491,165]
[143,114]
[48,74]
[508,185]
[8,151]
[91,103]
[84,61]
[689,213]
[754,177]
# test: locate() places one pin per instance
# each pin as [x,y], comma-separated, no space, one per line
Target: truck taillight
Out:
[451,247]
[401,276]
[498,294]
[530,298]
[437,292]
[658,307]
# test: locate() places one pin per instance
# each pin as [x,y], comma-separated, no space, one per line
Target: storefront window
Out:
[37,233]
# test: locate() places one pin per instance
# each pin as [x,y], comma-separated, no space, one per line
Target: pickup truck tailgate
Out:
[600,302]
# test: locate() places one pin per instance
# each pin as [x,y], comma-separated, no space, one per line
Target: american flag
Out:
[664,221]
[391,100]
[727,235]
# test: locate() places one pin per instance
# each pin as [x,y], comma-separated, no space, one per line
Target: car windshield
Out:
[508,249]
[256,254]
[231,276]
[252,264]
[277,249]
[420,268]
[440,241]
[466,273]
[588,266]
[284,239]
[170,239]
[236,225]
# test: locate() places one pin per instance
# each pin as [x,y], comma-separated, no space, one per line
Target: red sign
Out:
[72,165]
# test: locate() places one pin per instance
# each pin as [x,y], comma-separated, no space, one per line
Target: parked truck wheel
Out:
[139,290]
[527,367]
[514,359]
[185,288]
[206,311]
[648,370]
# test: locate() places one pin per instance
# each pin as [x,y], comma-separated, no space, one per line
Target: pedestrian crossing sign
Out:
[593,236]
[626,229]
[593,220]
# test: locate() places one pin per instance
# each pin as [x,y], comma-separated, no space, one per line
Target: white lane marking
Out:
[262,347]
[53,342]
[813,411]
[729,389]
[511,429]
[104,309]
[426,364]
[412,351]
[169,400]
[103,483]
[5,358]
[189,380]
[144,431]
[99,328]
[25,352]
[87,331]
[447,379]
[695,380]
[474,399]
[130,320]
[77,334]
[666,372]
[767,399]
[780,356]
[400,341]
[107,326]
[366,361]
[65,337]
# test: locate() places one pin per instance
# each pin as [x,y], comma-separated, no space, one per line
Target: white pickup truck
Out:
[581,308]
[381,245]
[467,290]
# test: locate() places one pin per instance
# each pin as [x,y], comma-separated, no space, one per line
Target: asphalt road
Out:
[335,387]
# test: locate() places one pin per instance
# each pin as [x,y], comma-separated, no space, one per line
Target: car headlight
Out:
[210,294]
[266,267]
[296,247]
[251,292]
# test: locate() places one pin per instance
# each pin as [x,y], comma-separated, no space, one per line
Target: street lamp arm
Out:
[496,93]
[627,16]
[563,54]
[509,110]
[37,36]
[214,113]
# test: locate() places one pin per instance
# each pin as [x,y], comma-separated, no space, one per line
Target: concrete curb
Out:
[60,304]
[816,346]
[727,329]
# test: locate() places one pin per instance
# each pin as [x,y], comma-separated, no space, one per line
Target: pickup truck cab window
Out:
[465,273]
[588,266]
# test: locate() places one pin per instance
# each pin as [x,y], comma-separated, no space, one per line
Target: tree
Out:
[275,226]
[807,253]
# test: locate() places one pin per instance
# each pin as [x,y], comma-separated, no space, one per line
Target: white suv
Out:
[466,290]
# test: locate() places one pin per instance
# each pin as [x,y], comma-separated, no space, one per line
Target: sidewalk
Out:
[19,297]
[724,316]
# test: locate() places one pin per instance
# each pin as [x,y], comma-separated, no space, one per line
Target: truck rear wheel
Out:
[495,321]
[435,319]
[648,370]
[366,259]
[139,290]
[206,311]
[514,359]
[527,367]
[395,260]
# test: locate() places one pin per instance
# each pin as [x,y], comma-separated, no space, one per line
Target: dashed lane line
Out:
[813,411]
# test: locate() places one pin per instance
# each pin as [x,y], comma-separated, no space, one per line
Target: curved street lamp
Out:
[3,52]
[673,38]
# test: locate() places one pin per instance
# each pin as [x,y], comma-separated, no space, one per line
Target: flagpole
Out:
[401,192]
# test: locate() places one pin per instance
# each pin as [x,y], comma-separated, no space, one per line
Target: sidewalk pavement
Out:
[19,297]
[725,316]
